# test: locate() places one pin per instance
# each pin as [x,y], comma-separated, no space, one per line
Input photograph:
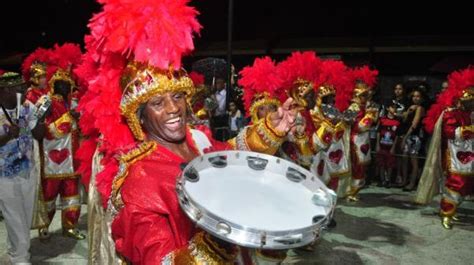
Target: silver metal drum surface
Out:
[255,200]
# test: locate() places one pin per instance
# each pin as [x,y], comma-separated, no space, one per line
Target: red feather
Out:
[457,82]
[261,77]
[365,75]
[155,32]
[334,73]
[198,79]
[299,65]
[39,55]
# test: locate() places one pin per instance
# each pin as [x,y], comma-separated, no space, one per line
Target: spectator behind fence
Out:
[412,140]
[386,143]
[236,120]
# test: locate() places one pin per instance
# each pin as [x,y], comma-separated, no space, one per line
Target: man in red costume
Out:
[364,80]
[330,141]
[59,146]
[34,69]
[450,120]
[148,90]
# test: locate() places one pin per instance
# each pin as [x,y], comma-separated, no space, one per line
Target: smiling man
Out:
[144,192]
[137,101]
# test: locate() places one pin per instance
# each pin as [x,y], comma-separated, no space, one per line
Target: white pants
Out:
[16,203]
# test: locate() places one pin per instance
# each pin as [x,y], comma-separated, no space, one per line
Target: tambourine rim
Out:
[314,228]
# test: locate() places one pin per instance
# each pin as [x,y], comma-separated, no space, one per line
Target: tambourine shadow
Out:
[368,229]
[326,252]
[371,197]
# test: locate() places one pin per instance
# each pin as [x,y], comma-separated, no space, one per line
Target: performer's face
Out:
[42,82]
[164,117]
[329,100]
[468,105]
[363,98]
[310,99]
[264,110]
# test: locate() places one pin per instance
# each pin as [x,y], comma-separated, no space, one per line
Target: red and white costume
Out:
[451,149]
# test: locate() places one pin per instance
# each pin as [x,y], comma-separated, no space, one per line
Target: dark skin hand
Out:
[13,132]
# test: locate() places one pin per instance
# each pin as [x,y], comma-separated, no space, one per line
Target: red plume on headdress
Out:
[457,82]
[67,55]
[299,65]
[155,32]
[2,71]
[334,73]
[39,55]
[198,79]
[365,75]
[261,77]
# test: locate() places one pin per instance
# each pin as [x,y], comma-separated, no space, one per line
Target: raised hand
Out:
[284,118]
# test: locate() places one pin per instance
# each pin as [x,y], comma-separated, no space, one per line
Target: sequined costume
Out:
[451,148]
[366,117]
[59,146]
[137,179]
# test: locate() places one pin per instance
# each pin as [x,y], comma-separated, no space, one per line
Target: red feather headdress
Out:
[458,82]
[198,79]
[154,35]
[334,79]
[261,85]
[63,59]
[298,73]
[35,64]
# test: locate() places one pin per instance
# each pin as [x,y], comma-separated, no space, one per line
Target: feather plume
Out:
[261,77]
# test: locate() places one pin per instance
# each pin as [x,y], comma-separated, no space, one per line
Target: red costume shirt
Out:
[151,223]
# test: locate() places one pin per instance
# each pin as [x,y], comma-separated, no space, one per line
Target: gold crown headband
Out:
[360,89]
[61,75]
[261,99]
[141,82]
[468,94]
[299,90]
[37,70]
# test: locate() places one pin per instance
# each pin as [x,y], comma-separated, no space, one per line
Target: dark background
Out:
[403,40]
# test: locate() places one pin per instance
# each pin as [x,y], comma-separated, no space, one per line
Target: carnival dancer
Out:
[451,148]
[298,73]
[364,81]
[34,69]
[330,141]
[141,80]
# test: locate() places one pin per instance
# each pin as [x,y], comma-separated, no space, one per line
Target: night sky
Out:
[46,22]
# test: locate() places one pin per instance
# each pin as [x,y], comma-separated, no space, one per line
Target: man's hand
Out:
[284,118]
[13,131]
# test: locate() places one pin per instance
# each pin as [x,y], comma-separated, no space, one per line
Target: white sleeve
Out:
[31,117]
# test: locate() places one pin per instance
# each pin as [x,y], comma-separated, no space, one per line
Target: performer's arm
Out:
[268,133]
[367,121]
[61,126]
[452,129]
[39,131]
